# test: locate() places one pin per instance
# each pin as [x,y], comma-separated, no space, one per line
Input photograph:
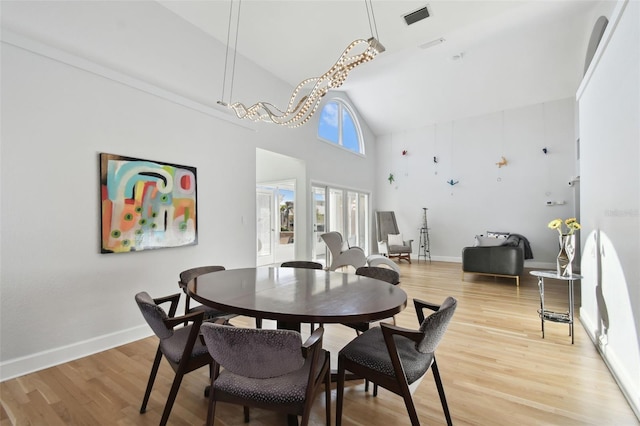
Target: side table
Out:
[547,315]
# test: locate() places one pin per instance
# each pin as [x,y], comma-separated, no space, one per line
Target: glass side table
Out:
[561,317]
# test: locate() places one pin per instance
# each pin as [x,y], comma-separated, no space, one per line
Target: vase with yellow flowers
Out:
[567,242]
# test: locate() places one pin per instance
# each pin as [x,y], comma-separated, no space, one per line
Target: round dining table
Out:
[292,296]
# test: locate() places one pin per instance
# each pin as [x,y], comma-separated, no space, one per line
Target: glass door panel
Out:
[318,207]
[352,219]
[336,210]
[363,222]
[265,226]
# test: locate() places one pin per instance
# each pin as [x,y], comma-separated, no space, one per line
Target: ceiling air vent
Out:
[415,16]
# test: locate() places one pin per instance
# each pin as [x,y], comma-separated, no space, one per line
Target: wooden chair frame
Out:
[318,375]
[187,363]
[396,383]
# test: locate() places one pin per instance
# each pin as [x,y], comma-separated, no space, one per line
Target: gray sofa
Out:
[504,260]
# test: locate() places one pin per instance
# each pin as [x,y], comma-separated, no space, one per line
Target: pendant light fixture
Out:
[307,95]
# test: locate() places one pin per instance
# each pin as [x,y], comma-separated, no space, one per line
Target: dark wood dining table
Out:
[292,296]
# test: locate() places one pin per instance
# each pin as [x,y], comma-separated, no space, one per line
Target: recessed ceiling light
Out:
[432,43]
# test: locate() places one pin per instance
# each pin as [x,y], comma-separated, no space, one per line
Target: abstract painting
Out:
[146,204]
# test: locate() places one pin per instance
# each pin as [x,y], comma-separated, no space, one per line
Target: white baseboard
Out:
[527,263]
[20,366]
[627,385]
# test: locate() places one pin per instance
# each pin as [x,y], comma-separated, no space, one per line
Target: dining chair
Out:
[268,369]
[383,274]
[180,346]
[187,276]
[397,358]
[306,264]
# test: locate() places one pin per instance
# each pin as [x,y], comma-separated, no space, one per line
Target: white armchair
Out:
[341,253]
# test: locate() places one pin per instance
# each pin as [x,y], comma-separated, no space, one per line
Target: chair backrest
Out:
[386,224]
[384,274]
[306,264]
[333,240]
[255,353]
[434,326]
[190,274]
[154,315]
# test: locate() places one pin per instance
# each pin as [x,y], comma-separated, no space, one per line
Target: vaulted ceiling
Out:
[496,55]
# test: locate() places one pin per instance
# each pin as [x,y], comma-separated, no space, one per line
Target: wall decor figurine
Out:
[391,178]
[452,182]
[405,152]
[502,162]
[545,150]
[146,204]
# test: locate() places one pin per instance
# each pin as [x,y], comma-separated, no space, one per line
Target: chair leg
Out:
[258,322]
[443,399]
[245,409]
[152,378]
[172,396]
[375,390]
[327,395]
[187,302]
[292,420]
[411,409]
[211,412]
[339,390]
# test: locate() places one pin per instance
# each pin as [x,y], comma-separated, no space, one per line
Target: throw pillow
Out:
[501,235]
[488,241]
[395,240]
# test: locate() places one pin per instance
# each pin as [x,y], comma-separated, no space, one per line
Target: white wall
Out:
[609,101]
[129,78]
[511,198]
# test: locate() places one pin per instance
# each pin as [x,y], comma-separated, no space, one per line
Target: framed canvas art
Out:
[146,204]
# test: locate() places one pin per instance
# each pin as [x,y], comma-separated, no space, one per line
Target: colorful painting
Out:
[146,204]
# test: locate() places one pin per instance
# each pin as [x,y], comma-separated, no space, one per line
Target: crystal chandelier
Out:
[306,97]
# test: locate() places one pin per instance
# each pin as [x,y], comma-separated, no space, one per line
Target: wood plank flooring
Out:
[496,369]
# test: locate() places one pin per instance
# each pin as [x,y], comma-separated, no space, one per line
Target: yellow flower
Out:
[571,223]
[573,226]
[555,224]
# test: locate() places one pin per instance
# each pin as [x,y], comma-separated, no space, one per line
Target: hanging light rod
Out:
[306,97]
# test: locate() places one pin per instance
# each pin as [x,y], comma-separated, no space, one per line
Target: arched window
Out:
[339,126]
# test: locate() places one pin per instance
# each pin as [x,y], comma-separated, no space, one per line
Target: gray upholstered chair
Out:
[180,347]
[268,369]
[191,274]
[341,255]
[383,274]
[305,264]
[396,358]
[390,241]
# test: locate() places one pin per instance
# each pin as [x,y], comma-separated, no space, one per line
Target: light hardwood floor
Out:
[496,369]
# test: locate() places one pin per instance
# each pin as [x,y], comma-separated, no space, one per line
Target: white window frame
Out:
[344,105]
